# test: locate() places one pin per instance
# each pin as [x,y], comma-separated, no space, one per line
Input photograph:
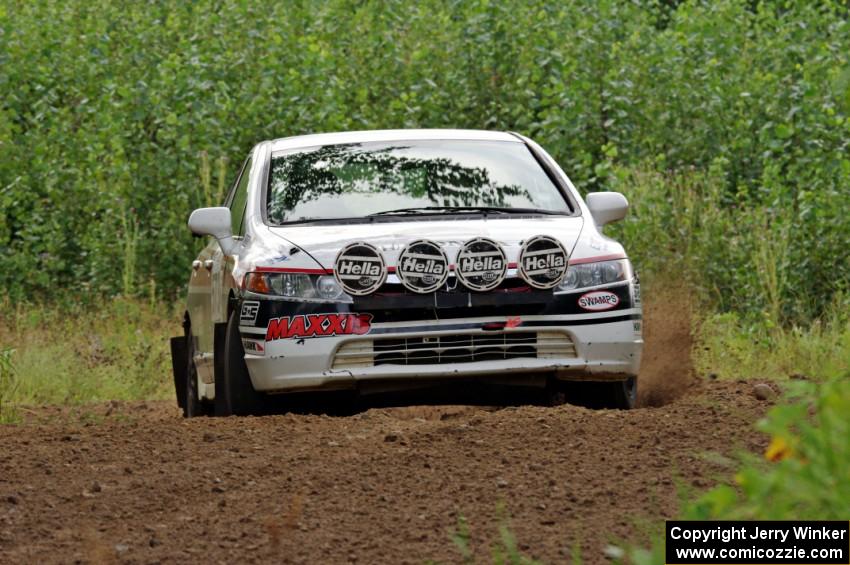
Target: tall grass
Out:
[8,386]
[730,348]
[210,196]
[738,256]
[129,237]
[117,350]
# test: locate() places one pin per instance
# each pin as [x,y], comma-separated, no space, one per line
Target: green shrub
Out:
[802,476]
[117,116]
[763,263]
[809,479]
[730,348]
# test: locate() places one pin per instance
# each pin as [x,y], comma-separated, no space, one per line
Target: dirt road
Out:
[136,483]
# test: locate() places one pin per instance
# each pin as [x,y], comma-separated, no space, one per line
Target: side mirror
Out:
[607,207]
[215,222]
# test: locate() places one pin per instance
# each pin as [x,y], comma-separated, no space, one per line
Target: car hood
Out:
[323,241]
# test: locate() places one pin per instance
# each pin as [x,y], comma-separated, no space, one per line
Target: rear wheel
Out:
[234,393]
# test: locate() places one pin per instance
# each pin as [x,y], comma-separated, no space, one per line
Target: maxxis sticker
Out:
[318,325]
[598,300]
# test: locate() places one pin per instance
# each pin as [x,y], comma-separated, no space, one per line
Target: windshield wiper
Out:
[463,210]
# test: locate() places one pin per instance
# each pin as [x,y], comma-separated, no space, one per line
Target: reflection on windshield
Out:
[355,180]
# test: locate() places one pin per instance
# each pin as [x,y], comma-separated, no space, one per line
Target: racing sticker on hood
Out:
[542,262]
[360,269]
[598,300]
[318,325]
[423,266]
[481,264]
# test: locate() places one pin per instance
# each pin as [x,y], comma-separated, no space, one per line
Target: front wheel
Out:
[620,395]
[623,394]
[234,393]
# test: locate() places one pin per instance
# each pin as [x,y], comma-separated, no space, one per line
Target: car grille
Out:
[453,348]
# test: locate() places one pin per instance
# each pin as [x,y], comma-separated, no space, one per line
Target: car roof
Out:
[313,140]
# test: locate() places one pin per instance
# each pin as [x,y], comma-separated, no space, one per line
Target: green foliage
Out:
[773,265]
[735,350]
[506,552]
[122,355]
[120,117]
[808,478]
[460,538]
[8,383]
[811,481]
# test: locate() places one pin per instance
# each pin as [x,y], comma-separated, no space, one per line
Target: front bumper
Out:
[334,350]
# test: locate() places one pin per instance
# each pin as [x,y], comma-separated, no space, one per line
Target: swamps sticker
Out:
[598,300]
[318,325]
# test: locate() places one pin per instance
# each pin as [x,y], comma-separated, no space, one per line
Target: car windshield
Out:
[384,179]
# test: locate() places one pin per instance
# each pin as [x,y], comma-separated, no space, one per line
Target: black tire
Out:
[234,393]
[618,395]
[623,394]
[193,406]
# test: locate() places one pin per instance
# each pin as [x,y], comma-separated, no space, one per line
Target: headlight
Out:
[296,286]
[596,274]
[327,287]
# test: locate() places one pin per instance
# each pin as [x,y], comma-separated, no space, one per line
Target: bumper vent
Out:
[453,348]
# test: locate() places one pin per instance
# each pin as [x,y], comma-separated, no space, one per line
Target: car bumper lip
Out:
[606,347]
[567,369]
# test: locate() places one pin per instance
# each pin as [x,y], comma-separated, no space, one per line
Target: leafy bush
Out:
[116,117]
[762,262]
[809,479]
[803,475]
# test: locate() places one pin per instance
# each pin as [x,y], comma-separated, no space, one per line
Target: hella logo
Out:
[542,262]
[368,269]
[429,266]
[481,264]
[422,266]
[360,269]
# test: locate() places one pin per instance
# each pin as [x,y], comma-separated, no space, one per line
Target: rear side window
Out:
[238,200]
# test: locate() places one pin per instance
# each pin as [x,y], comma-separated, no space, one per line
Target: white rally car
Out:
[377,260]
